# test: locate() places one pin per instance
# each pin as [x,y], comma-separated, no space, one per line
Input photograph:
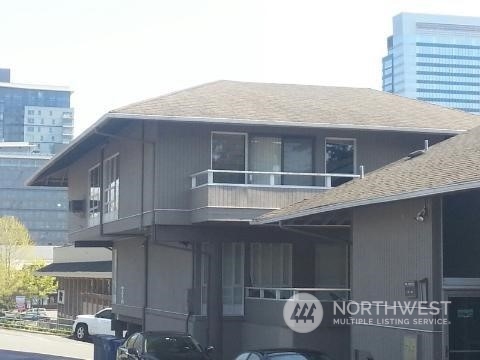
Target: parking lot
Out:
[16,345]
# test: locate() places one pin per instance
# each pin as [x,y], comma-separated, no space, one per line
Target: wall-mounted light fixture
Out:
[422,214]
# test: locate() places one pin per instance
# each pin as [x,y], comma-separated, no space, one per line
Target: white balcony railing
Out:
[282,294]
[266,178]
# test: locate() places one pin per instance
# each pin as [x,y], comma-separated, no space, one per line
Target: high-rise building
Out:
[435,58]
[38,114]
[35,122]
[43,210]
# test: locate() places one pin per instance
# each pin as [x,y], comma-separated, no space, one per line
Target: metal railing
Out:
[265,178]
[282,294]
[46,324]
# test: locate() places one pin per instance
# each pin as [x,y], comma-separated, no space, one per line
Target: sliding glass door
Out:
[230,151]
[298,158]
[264,154]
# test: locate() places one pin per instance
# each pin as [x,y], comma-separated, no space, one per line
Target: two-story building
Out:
[414,229]
[172,183]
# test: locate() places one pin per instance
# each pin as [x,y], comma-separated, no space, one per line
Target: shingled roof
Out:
[301,105]
[451,165]
[244,103]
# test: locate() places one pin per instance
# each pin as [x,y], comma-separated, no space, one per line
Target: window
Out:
[39,112]
[105,314]
[50,112]
[30,129]
[53,138]
[232,278]
[233,259]
[94,196]
[264,153]
[228,153]
[298,158]
[31,112]
[30,120]
[110,188]
[339,158]
[61,296]
[271,264]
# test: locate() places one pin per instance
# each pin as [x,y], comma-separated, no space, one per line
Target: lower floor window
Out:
[233,259]
[271,265]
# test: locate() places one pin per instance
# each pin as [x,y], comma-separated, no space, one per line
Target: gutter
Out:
[237,121]
[278,122]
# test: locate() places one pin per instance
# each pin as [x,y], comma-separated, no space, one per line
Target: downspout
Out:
[153,236]
[142,204]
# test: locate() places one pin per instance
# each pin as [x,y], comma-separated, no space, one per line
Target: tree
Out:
[14,244]
[32,285]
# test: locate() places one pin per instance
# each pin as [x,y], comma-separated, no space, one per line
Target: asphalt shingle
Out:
[453,164]
[303,104]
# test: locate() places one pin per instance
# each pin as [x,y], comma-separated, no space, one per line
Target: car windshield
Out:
[173,347]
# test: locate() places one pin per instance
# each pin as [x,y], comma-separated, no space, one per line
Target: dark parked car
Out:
[160,345]
[283,354]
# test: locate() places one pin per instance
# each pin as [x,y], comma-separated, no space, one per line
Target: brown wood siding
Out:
[249,197]
[389,248]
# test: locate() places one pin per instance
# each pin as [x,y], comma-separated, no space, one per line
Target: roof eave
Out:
[31,181]
[358,203]
[276,122]
[34,180]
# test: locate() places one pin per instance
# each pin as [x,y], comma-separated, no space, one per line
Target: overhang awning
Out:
[86,269]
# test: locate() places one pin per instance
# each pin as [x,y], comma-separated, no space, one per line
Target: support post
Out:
[214,299]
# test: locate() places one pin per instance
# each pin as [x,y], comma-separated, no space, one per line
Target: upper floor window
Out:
[110,188]
[94,196]
[340,158]
[237,152]
[228,153]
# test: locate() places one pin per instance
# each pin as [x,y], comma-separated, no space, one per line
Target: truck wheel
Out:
[81,332]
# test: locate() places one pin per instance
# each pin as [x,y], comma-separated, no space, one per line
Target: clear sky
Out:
[114,52]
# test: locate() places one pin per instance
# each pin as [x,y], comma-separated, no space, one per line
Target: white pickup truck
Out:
[98,324]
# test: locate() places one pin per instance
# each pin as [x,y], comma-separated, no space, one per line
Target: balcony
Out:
[220,195]
[282,294]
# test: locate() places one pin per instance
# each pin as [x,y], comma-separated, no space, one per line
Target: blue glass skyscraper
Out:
[435,58]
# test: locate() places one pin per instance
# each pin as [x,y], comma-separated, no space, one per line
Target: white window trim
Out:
[61,297]
[92,221]
[229,133]
[110,215]
[343,139]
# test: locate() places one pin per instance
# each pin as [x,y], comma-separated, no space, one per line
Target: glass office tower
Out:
[35,123]
[435,58]
[43,210]
[37,114]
